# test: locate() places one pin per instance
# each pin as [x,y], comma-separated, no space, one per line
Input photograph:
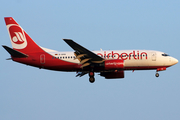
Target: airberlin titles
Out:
[124,56]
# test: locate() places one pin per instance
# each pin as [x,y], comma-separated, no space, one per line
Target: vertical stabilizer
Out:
[19,38]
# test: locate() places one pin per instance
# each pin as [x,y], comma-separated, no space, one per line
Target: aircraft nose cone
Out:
[174,61]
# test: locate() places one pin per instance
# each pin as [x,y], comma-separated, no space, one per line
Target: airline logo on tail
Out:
[17,36]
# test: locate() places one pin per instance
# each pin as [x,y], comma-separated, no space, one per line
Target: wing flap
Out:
[85,60]
[85,64]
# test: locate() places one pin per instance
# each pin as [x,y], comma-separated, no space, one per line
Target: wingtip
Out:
[66,39]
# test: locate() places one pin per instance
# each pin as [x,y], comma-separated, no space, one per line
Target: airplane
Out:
[110,64]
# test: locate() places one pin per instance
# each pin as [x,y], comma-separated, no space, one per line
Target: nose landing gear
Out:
[157,74]
[159,69]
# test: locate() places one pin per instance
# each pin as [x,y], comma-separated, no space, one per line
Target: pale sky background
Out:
[29,93]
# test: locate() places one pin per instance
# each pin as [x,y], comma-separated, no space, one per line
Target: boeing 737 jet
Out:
[109,64]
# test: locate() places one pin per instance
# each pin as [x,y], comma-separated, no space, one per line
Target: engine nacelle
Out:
[113,64]
[112,75]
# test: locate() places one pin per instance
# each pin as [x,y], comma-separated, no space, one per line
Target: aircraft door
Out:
[153,56]
[42,58]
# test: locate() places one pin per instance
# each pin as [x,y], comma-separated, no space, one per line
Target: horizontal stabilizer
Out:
[14,53]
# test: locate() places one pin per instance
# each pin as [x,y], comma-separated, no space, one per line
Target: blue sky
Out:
[30,93]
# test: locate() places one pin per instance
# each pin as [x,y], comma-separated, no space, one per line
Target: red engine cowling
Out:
[112,75]
[113,64]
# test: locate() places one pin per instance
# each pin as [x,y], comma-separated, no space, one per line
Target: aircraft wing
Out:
[85,56]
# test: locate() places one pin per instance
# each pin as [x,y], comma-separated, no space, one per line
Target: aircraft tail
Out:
[19,38]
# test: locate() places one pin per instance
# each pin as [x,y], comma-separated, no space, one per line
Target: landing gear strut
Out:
[91,77]
[157,74]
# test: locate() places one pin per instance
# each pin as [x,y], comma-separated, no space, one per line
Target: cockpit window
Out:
[165,54]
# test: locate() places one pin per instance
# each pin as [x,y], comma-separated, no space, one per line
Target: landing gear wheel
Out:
[157,74]
[91,74]
[91,79]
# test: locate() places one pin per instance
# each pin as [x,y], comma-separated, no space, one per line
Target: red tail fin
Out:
[19,38]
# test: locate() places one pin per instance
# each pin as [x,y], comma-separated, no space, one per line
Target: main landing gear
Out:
[91,77]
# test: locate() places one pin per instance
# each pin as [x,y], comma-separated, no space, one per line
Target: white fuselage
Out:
[132,58]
